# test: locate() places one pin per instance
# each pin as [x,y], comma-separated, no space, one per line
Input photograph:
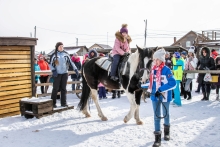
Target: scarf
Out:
[158,76]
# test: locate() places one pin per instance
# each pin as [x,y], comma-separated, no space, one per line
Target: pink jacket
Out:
[120,47]
[100,85]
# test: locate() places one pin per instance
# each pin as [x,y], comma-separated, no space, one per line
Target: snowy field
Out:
[195,124]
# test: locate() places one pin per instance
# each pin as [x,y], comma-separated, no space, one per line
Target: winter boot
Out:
[113,94]
[119,94]
[157,142]
[207,97]
[166,132]
[189,96]
[217,97]
[185,95]
[204,96]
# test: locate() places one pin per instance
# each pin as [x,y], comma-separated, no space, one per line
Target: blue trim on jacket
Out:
[167,84]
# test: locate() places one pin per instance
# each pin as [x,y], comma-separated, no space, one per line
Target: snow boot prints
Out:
[166,132]
[157,142]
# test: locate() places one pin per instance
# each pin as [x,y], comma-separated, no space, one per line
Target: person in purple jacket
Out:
[161,84]
[121,47]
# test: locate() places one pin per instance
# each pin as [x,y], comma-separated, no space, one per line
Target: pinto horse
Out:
[138,69]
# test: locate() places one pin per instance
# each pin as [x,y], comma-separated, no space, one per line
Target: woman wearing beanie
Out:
[178,67]
[191,63]
[121,47]
[59,63]
[205,63]
[161,84]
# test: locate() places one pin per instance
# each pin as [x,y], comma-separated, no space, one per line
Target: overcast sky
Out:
[96,21]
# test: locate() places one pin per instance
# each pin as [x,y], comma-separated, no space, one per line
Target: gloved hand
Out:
[126,54]
[54,73]
[157,94]
[77,73]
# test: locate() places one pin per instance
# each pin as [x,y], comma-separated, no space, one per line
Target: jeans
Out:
[187,85]
[114,66]
[158,112]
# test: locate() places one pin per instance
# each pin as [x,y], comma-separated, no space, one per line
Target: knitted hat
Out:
[177,54]
[58,44]
[183,53]
[160,54]
[191,50]
[124,29]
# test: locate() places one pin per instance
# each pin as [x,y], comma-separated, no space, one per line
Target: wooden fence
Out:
[48,72]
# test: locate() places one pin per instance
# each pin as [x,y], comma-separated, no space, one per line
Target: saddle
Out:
[106,62]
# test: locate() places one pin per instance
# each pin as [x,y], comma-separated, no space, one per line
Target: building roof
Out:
[104,46]
[198,34]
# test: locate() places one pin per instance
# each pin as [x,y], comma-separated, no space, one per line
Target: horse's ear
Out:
[140,50]
[155,49]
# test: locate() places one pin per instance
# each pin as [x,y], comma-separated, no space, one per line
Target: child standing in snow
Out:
[178,67]
[102,91]
[161,84]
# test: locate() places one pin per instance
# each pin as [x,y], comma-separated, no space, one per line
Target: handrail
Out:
[50,73]
[202,71]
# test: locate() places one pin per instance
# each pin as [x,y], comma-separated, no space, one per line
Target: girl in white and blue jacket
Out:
[161,84]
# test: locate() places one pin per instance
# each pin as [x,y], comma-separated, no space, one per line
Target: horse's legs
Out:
[85,110]
[136,116]
[94,97]
[133,106]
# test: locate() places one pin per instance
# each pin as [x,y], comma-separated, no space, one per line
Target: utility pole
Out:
[145,32]
[35,29]
[30,34]
[76,41]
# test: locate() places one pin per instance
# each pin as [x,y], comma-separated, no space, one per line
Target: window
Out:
[188,44]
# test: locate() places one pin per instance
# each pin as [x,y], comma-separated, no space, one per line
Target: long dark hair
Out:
[56,62]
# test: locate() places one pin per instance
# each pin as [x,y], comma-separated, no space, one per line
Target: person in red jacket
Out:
[44,77]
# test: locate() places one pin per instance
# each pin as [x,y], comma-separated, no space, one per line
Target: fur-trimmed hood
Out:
[120,37]
[95,54]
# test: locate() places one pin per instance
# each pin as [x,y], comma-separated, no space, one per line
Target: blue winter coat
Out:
[167,84]
[36,68]
[64,62]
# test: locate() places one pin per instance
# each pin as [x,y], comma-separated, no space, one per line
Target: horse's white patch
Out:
[145,75]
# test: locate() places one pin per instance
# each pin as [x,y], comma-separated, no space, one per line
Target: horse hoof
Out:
[125,120]
[139,123]
[104,118]
[87,115]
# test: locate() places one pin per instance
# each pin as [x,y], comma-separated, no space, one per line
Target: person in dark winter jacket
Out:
[217,65]
[59,64]
[205,63]
[92,54]
[76,60]
[161,84]
[168,61]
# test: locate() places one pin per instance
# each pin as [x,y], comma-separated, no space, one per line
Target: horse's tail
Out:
[85,93]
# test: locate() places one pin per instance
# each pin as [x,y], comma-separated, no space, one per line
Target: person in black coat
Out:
[205,63]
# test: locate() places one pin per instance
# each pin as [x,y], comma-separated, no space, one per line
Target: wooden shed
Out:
[16,72]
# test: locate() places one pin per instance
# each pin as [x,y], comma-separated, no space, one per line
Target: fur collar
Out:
[119,36]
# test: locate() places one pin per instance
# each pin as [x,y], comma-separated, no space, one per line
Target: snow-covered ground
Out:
[195,124]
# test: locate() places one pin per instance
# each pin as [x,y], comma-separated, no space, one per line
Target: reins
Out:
[160,101]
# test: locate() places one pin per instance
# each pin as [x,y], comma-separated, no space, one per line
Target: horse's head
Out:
[145,61]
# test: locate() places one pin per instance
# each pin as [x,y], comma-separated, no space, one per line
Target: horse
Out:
[138,64]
